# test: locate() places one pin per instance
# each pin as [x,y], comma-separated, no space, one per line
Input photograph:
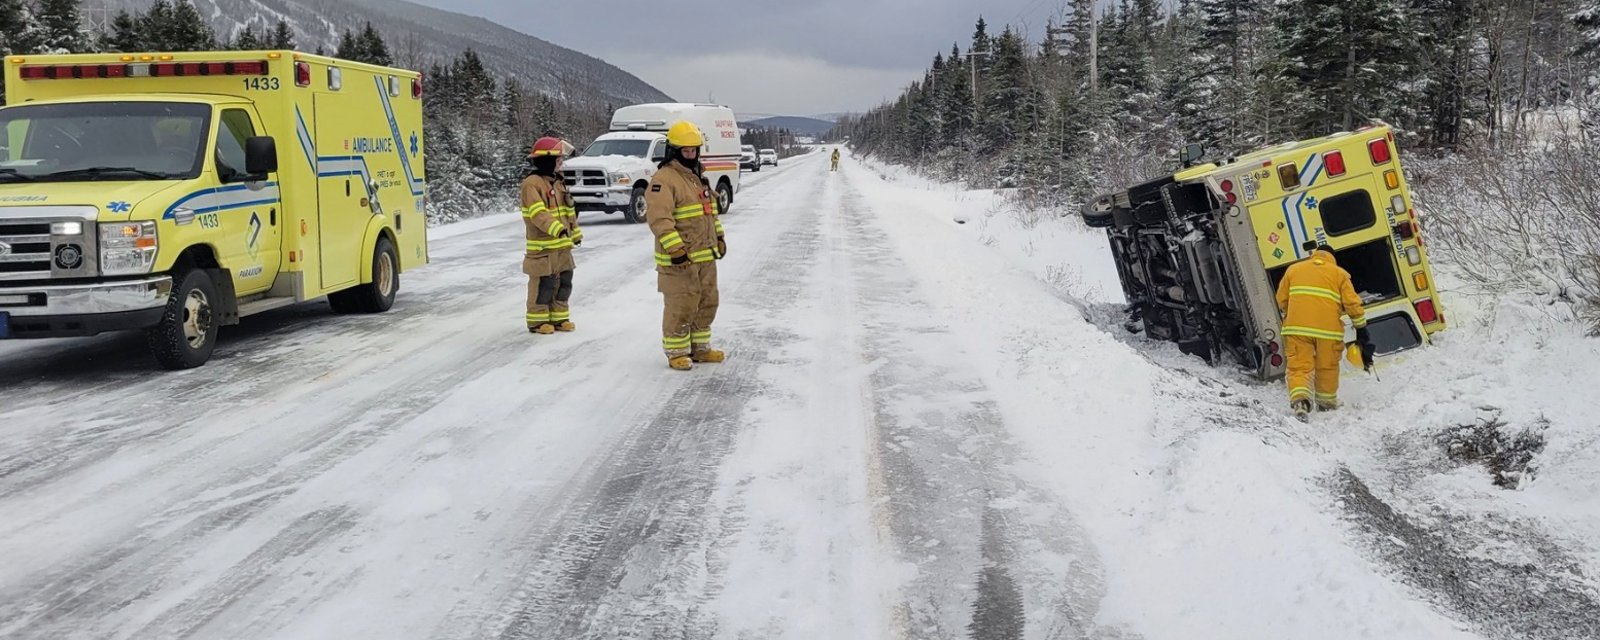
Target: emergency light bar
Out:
[143,70]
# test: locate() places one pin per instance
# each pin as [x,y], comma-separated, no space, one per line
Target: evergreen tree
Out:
[376,51]
[17,32]
[282,37]
[175,26]
[1009,100]
[124,36]
[1350,58]
[63,27]
[350,48]
[248,41]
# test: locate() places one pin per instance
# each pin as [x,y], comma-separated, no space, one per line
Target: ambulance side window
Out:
[234,130]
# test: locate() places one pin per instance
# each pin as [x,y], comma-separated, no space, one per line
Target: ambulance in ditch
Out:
[177,193]
[611,175]
[1201,252]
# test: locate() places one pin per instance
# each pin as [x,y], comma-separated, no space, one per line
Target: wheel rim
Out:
[196,319]
[723,200]
[385,274]
[638,209]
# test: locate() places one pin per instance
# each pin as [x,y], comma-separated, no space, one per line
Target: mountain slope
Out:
[802,126]
[420,35]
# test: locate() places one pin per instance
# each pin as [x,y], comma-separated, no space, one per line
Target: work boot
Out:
[681,363]
[709,355]
[543,329]
[566,326]
[1302,408]
[1328,405]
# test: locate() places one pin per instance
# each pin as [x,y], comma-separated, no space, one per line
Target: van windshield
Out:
[103,141]
[635,148]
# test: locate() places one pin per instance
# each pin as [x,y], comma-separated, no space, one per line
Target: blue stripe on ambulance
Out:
[307,144]
[219,199]
[418,187]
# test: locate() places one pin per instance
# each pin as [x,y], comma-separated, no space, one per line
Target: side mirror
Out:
[260,156]
[1192,154]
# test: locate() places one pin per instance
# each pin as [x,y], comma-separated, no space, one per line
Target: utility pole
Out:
[972,58]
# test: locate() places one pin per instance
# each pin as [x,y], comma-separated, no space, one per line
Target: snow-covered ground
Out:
[927,429]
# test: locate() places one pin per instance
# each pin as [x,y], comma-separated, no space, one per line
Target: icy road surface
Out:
[913,438]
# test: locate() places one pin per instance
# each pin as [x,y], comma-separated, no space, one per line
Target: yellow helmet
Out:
[684,134]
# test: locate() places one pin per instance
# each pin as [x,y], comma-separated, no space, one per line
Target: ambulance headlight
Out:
[127,248]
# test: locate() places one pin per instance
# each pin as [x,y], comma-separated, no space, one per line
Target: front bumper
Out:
[602,198]
[64,310]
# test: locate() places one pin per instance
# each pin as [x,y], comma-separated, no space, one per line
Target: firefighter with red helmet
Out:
[551,224]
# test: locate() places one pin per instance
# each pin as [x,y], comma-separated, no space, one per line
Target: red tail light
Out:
[416,88]
[302,74]
[1227,186]
[1334,160]
[1426,312]
[163,70]
[33,73]
[1380,151]
[1277,360]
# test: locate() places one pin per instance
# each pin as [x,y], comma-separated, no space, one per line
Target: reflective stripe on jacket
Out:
[683,215]
[1315,293]
[547,211]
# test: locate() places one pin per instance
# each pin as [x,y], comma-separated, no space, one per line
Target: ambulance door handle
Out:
[346,187]
[272,217]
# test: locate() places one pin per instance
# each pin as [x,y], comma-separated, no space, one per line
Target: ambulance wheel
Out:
[724,197]
[635,211]
[187,333]
[378,296]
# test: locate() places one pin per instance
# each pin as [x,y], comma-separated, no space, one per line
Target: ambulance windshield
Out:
[103,141]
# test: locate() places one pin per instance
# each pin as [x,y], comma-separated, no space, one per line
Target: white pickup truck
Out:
[613,172]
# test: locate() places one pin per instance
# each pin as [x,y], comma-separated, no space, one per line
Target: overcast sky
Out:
[784,57]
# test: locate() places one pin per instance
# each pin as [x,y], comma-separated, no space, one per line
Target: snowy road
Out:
[912,439]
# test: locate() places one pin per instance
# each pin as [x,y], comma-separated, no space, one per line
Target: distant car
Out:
[769,156]
[748,159]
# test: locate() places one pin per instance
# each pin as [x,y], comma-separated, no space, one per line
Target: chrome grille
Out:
[24,249]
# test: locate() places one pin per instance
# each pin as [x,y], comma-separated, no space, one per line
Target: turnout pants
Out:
[1314,369]
[549,289]
[690,294]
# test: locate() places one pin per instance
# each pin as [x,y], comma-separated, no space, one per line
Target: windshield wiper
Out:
[94,172]
[13,173]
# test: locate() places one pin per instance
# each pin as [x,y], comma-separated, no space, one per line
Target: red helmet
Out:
[548,146]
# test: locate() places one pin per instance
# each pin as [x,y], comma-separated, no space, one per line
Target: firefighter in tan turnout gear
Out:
[551,224]
[682,212]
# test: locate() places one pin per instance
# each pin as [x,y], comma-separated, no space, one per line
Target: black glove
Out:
[1363,336]
[578,242]
[564,234]
[680,258]
[722,248]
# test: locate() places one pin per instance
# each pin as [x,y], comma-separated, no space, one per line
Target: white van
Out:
[613,172]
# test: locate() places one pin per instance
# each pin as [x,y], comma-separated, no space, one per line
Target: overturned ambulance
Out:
[1200,252]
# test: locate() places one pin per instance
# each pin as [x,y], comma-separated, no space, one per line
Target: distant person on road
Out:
[1315,294]
[682,213]
[835,160]
[551,223]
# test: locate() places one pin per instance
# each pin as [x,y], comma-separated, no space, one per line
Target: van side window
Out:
[658,152]
[231,136]
[1347,212]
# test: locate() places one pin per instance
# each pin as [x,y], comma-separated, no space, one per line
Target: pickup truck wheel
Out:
[187,333]
[636,207]
[724,197]
[378,296]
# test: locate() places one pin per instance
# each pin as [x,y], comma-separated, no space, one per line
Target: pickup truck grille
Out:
[586,177]
[24,250]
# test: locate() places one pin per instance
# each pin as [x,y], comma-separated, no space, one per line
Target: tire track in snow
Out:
[624,551]
[989,548]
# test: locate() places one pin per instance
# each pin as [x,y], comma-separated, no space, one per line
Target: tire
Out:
[756,168]
[377,296]
[187,334]
[636,207]
[724,197]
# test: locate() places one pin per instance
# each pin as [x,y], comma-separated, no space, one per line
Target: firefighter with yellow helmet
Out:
[1315,294]
[682,213]
[550,221]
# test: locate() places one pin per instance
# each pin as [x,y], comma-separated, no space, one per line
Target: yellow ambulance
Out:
[177,193]
[1200,252]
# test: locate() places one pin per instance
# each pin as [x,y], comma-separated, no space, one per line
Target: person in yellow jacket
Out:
[551,224]
[835,159]
[1315,294]
[681,211]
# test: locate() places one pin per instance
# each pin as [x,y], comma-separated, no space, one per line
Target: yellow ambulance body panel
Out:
[1347,191]
[147,158]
